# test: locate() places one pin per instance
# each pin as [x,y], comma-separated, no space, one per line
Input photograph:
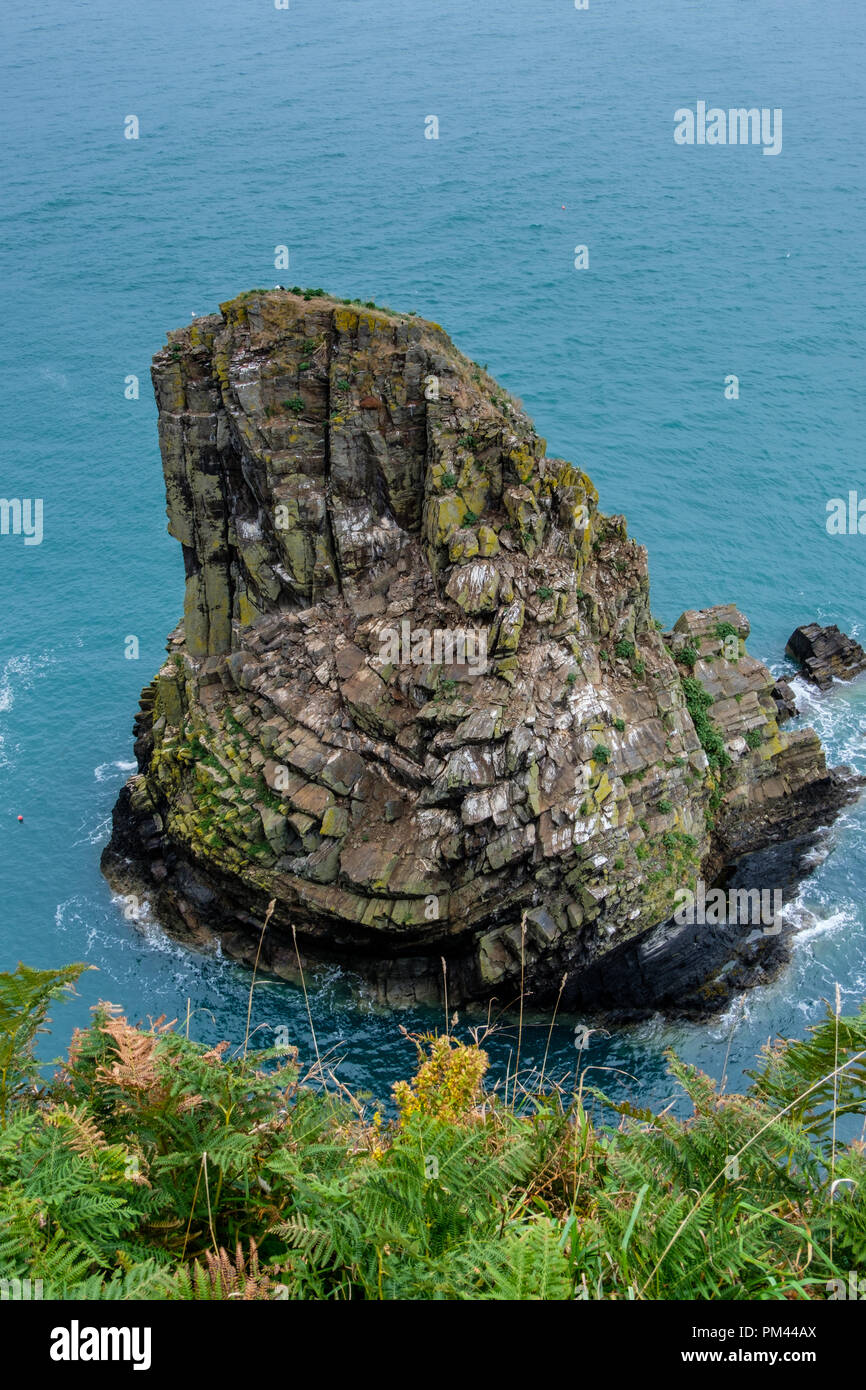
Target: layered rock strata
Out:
[825,654]
[418,696]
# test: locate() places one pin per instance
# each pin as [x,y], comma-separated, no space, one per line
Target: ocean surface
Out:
[305,127]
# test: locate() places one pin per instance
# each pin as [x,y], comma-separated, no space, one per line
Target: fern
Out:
[25,997]
[820,1078]
[151,1167]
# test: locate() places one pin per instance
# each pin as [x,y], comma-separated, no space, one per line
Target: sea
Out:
[703,361]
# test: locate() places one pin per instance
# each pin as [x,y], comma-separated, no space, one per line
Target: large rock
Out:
[826,654]
[418,696]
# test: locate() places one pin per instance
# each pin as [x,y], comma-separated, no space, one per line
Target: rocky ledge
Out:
[418,696]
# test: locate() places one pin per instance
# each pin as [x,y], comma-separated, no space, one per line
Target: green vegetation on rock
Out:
[698,701]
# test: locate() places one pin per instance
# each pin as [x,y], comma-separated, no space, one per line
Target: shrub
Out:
[447,1083]
[600,754]
[754,738]
[698,701]
[153,1167]
[678,844]
[625,649]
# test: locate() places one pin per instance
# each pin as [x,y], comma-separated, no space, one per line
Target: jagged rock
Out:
[418,697]
[825,653]
[785,702]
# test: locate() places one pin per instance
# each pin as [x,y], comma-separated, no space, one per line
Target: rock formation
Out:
[826,654]
[785,702]
[418,696]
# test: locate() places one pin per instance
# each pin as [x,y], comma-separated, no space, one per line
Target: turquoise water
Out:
[305,127]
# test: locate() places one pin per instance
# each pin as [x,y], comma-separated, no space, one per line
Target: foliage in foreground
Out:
[152,1167]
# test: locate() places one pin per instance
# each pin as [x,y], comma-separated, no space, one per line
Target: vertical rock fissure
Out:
[332,540]
[232,472]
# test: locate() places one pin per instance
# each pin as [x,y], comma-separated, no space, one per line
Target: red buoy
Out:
[20,817]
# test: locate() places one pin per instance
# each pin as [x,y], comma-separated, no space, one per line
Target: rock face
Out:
[418,696]
[826,653]
[785,702]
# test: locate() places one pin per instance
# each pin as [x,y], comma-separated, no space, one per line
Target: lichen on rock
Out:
[418,696]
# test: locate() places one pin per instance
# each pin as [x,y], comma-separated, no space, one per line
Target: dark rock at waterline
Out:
[825,653]
[695,968]
[785,702]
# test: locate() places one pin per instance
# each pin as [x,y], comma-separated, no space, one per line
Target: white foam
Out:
[844,917]
[15,666]
[106,771]
[26,669]
[17,674]
[93,834]
[136,910]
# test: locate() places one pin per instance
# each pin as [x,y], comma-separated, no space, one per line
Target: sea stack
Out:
[418,696]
